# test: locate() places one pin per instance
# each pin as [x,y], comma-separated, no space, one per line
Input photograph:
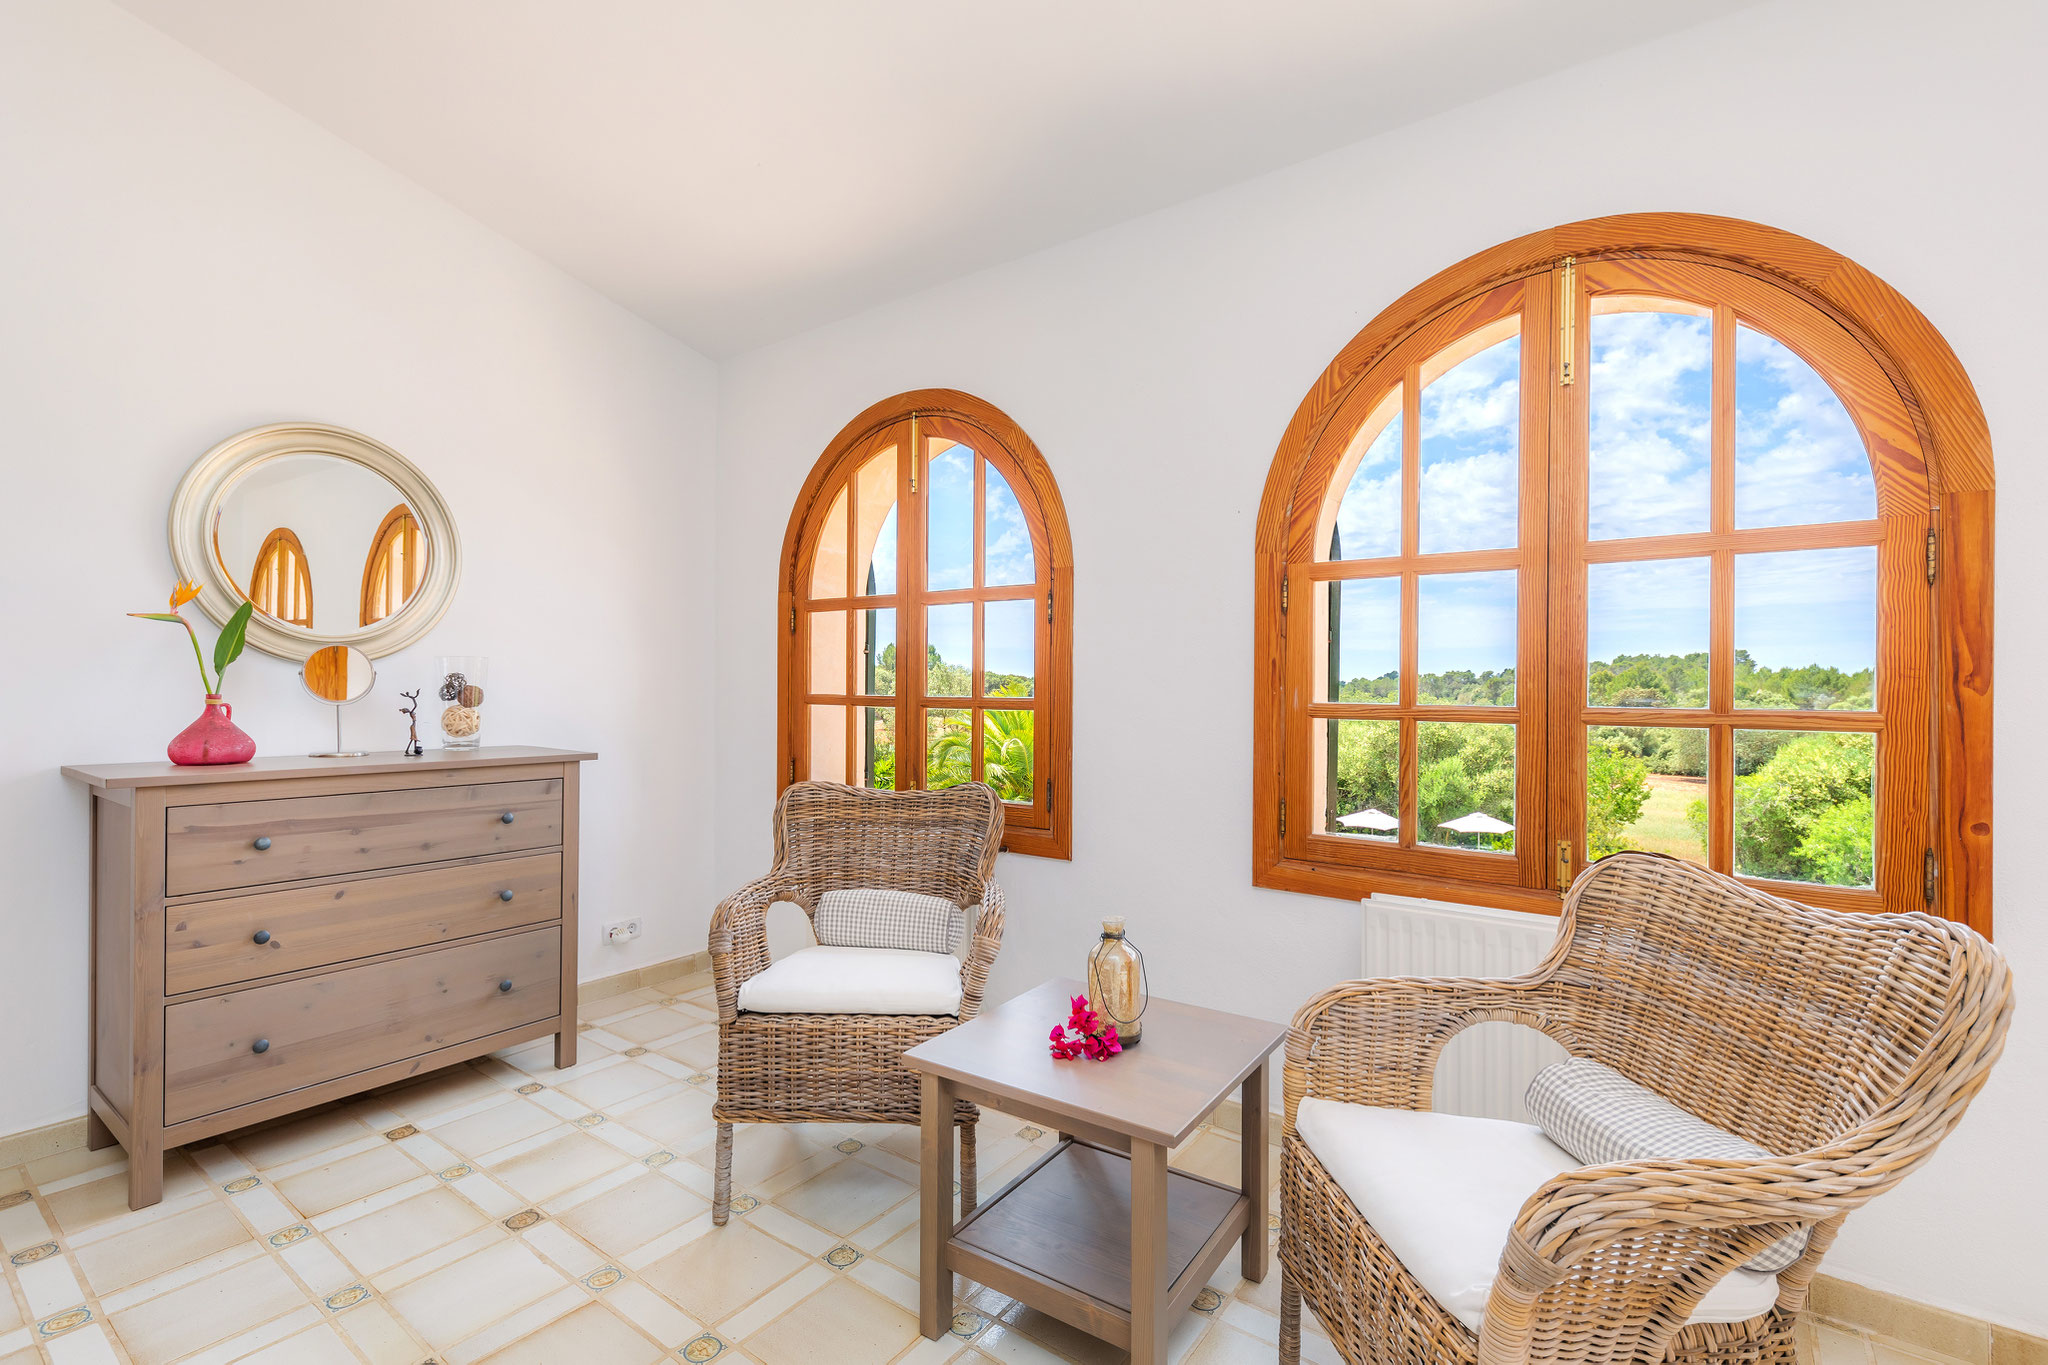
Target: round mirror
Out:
[336,539]
[338,674]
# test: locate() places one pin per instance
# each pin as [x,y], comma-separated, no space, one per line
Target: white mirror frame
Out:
[196,506]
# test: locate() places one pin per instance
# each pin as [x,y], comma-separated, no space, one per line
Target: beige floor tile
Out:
[723,1270]
[699,1050]
[213,1309]
[863,1328]
[447,1089]
[268,1148]
[1069,1343]
[611,1007]
[501,1125]
[462,1299]
[613,1085]
[1889,1353]
[380,1336]
[627,1218]
[759,1150]
[149,1250]
[321,1346]
[680,1122]
[1213,1155]
[563,1164]
[590,1334]
[659,1022]
[100,1207]
[845,1197]
[315,1191]
[377,1241]
[1833,1346]
[71,1163]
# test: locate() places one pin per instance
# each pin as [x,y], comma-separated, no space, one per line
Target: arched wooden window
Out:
[1659,532]
[281,585]
[926,614]
[395,566]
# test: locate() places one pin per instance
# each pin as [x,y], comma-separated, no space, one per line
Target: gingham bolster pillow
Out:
[876,917]
[1603,1118]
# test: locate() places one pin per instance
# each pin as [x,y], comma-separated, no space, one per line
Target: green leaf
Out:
[228,647]
[157,616]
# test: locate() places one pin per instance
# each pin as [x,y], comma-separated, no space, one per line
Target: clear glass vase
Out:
[464,678]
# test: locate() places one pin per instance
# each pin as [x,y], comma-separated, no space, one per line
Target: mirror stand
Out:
[338,675]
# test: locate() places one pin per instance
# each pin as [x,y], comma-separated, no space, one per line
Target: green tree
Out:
[1007,750]
[1805,814]
[1617,787]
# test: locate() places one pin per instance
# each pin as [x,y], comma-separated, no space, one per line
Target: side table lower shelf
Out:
[1059,1238]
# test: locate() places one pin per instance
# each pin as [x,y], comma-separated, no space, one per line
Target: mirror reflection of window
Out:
[392,573]
[281,585]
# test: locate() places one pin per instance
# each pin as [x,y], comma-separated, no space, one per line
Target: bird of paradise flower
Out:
[226,649]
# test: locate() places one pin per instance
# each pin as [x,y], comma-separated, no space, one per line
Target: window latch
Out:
[1567,319]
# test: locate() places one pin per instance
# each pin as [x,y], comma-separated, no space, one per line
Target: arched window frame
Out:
[399,529]
[1044,827]
[1918,413]
[281,579]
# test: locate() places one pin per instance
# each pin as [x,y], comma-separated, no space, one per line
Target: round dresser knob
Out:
[505,895]
[506,818]
[505,985]
[260,1045]
[263,936]
[262,842]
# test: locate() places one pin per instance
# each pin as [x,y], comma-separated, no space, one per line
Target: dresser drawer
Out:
[319,1028]
[253,843]
[217,943]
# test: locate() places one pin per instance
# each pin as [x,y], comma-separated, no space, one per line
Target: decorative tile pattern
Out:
[485,1210]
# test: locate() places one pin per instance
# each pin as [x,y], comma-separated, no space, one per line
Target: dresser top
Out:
[290,765]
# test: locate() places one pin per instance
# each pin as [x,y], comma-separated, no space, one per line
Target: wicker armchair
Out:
[847,1068]
[1851,1042]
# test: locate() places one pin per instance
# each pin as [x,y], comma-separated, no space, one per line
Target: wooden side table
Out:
[1100,1233]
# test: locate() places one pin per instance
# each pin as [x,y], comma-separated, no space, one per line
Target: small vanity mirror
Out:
[336,539]
[338,675]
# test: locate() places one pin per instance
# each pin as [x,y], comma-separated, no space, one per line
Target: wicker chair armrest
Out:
[1376,1041]
[981,950]
[739,938]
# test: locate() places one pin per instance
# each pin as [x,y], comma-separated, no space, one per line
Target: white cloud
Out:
[1649,395]
[1798,456]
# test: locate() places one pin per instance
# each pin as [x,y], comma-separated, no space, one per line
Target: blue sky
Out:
[1799,460]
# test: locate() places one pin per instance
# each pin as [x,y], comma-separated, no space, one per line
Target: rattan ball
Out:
[458,721]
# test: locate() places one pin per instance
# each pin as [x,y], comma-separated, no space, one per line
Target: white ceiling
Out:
[737,172]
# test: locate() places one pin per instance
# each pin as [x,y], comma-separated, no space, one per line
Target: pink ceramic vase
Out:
[213,738]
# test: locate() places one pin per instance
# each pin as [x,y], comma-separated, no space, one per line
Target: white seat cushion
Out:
[827,980]
[1442,1190]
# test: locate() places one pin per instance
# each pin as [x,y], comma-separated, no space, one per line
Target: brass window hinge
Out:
[1567,319]
[1283,597]
[792,769]
[1930,869]
[1283,818]
[913,453]
[1930,554]
[1048,604]
[1564,866]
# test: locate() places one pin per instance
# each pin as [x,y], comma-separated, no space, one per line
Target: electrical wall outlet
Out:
[621,930]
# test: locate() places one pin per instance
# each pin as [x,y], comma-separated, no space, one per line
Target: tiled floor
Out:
[506,1212]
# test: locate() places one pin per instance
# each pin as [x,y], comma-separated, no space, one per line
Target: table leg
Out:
[1148,1254]
[935,1207]
[1253,1173]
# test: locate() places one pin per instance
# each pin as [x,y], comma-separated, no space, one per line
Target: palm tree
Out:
[1007,749]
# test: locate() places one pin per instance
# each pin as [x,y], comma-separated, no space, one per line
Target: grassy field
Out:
[1662,827]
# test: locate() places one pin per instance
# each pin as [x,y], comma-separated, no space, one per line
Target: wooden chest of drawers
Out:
[286,932]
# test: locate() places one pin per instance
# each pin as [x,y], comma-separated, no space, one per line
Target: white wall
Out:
[1156,364]
[181,259]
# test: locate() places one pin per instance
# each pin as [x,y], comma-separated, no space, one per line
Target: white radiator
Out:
[1485,1069]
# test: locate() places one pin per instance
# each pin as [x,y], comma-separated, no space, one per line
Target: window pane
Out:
[949,515]
[828,744]
[1361,777]
[1364,634]
[1650,401]
[877,651]
[1465,785]
[1006,540]
[828,565]
[876,747]
[1009,647]
[949,650]
[828,652]
[1798,457]
[947,760]
[1646,633]
[1806,629]
[1008,754]
[1646,789]
[1369,514]
[1465,626]
[1805,814]
[1471,429]
[875,536]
